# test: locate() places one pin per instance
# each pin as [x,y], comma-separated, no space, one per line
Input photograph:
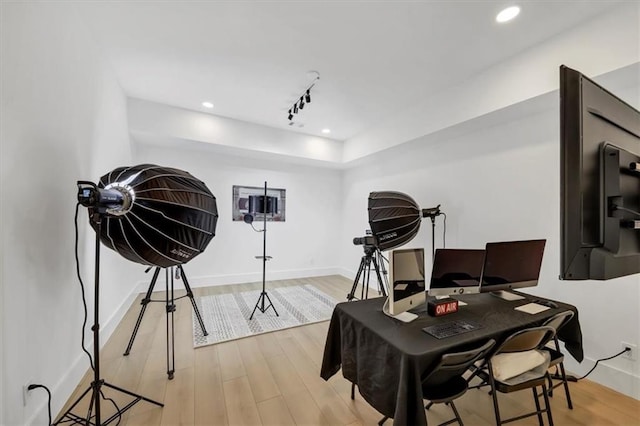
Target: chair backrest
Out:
[527,339]
[456,364]
[559,320]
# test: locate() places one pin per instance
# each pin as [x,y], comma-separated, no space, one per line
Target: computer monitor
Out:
[407,280]
[511,264]
[456,271]
[600,189]
[257,204]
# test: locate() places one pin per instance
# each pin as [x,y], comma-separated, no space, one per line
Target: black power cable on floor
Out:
[604,359]
[575,379]
[32,387]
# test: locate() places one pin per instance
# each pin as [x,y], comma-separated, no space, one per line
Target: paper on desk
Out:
[532,308]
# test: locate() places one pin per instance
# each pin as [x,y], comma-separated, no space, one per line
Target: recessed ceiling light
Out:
[207,104]
[508,14]
[326,131]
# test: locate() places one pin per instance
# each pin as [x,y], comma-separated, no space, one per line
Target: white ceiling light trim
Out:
[207,104]
[508,14]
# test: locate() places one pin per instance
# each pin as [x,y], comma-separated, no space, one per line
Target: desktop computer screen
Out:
[456,271]
[512,264]
[407,279]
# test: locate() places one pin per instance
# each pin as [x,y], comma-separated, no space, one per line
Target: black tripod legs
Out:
[97,395]
[145,301]
[170,308]
[381,286]
[260,304]
[364,265]
[193,302]
[364,272]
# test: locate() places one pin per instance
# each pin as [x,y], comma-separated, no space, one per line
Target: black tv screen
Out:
[600,181]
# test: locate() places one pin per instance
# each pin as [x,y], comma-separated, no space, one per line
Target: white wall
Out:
[63,119]
[497,181]
[607,43]
[150,120]
[304,245]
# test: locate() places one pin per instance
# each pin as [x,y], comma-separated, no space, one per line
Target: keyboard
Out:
[451,328]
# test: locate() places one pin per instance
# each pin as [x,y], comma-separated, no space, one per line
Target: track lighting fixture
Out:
[305,98]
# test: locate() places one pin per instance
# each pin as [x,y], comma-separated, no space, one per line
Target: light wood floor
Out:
[274,379]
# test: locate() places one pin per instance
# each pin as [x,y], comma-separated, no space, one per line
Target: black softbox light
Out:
[170,219]
[394,219]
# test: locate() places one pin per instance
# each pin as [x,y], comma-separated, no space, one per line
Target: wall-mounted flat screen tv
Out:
[600,181]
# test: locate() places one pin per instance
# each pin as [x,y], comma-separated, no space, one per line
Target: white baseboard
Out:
[62,390]
[607,375]
[218,280]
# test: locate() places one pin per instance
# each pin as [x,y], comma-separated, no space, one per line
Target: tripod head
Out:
[369,250]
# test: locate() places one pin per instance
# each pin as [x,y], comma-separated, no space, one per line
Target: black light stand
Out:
[98,383]
[432,213]
[371,256]
[260,304]
[170,309]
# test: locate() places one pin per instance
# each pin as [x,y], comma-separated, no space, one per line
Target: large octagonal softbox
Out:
[168,219]
[394,219]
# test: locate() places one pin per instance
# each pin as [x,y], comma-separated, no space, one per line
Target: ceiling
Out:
[252,58]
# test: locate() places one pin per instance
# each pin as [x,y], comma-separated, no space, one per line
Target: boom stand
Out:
[260,304]
[98,383]
[170,309]
[371,255]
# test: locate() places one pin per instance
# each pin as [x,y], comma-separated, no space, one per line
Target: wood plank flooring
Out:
[274,378]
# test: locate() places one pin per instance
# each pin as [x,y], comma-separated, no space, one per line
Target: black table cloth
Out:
[387,358]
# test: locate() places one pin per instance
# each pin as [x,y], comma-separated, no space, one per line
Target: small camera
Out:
[367,240]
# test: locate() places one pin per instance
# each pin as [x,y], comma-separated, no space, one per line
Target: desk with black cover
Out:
[387,358]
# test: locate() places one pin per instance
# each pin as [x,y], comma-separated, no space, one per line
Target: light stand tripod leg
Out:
[193,302]
[170,309]
[260,304]
[96,385]
[145,301]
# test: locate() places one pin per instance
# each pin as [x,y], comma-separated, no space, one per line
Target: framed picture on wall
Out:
[247,199]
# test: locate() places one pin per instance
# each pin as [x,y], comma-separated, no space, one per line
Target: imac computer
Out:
[407,282]
[456,271]
[512,264]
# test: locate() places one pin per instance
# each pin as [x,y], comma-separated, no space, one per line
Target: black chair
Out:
[522,341]
[557,357]
[445,383]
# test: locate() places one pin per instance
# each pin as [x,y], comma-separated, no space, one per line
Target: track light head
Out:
[305,98]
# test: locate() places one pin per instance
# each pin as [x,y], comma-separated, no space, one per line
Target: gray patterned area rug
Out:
[226,316]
